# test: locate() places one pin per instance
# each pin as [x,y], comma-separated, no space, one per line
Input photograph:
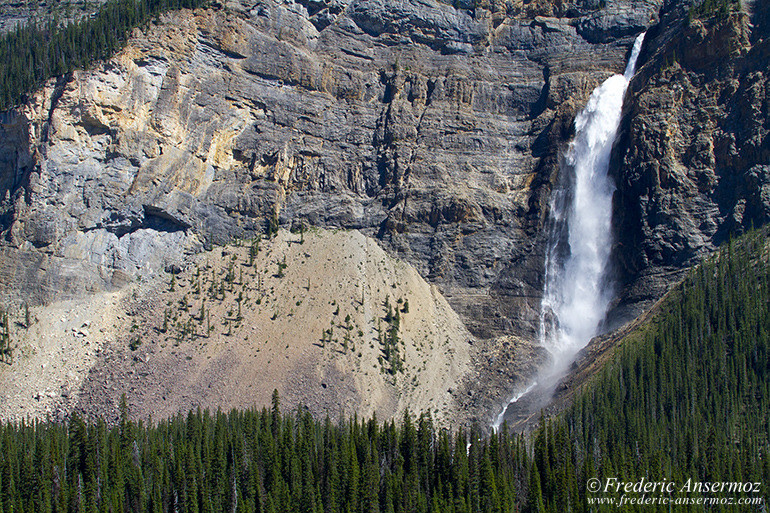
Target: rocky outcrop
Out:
[692,165]
[20,12]
[434,128]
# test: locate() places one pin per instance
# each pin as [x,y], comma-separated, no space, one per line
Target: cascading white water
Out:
[576,295]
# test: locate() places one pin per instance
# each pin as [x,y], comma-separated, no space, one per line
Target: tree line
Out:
[257,461]
[32,53]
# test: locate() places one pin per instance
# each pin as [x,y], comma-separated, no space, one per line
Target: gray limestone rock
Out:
[435,128]
[691,162]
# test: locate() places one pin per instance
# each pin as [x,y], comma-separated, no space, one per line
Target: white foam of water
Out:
[576,293]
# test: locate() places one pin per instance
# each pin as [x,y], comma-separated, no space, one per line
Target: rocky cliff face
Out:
[14,13]
[692,166]
[436,129]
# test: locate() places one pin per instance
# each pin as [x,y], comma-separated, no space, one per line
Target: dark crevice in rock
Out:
[540,105]
[356,54]
[150,217]
[150,61]
[431,87]
[161,220]
[118,224]
[58,92]
[313,6]
[270,77]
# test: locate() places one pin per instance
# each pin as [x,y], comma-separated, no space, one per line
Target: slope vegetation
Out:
[685,397]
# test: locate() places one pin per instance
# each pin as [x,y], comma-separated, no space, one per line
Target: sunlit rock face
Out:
[434,128]
[437,129]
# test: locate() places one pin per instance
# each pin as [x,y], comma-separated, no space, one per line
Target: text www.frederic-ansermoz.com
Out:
[612,491]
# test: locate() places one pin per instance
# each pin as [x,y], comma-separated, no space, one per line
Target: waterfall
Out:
[575,297]
[576,294]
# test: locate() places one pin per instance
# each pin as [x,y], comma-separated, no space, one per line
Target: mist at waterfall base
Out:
[576,292]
